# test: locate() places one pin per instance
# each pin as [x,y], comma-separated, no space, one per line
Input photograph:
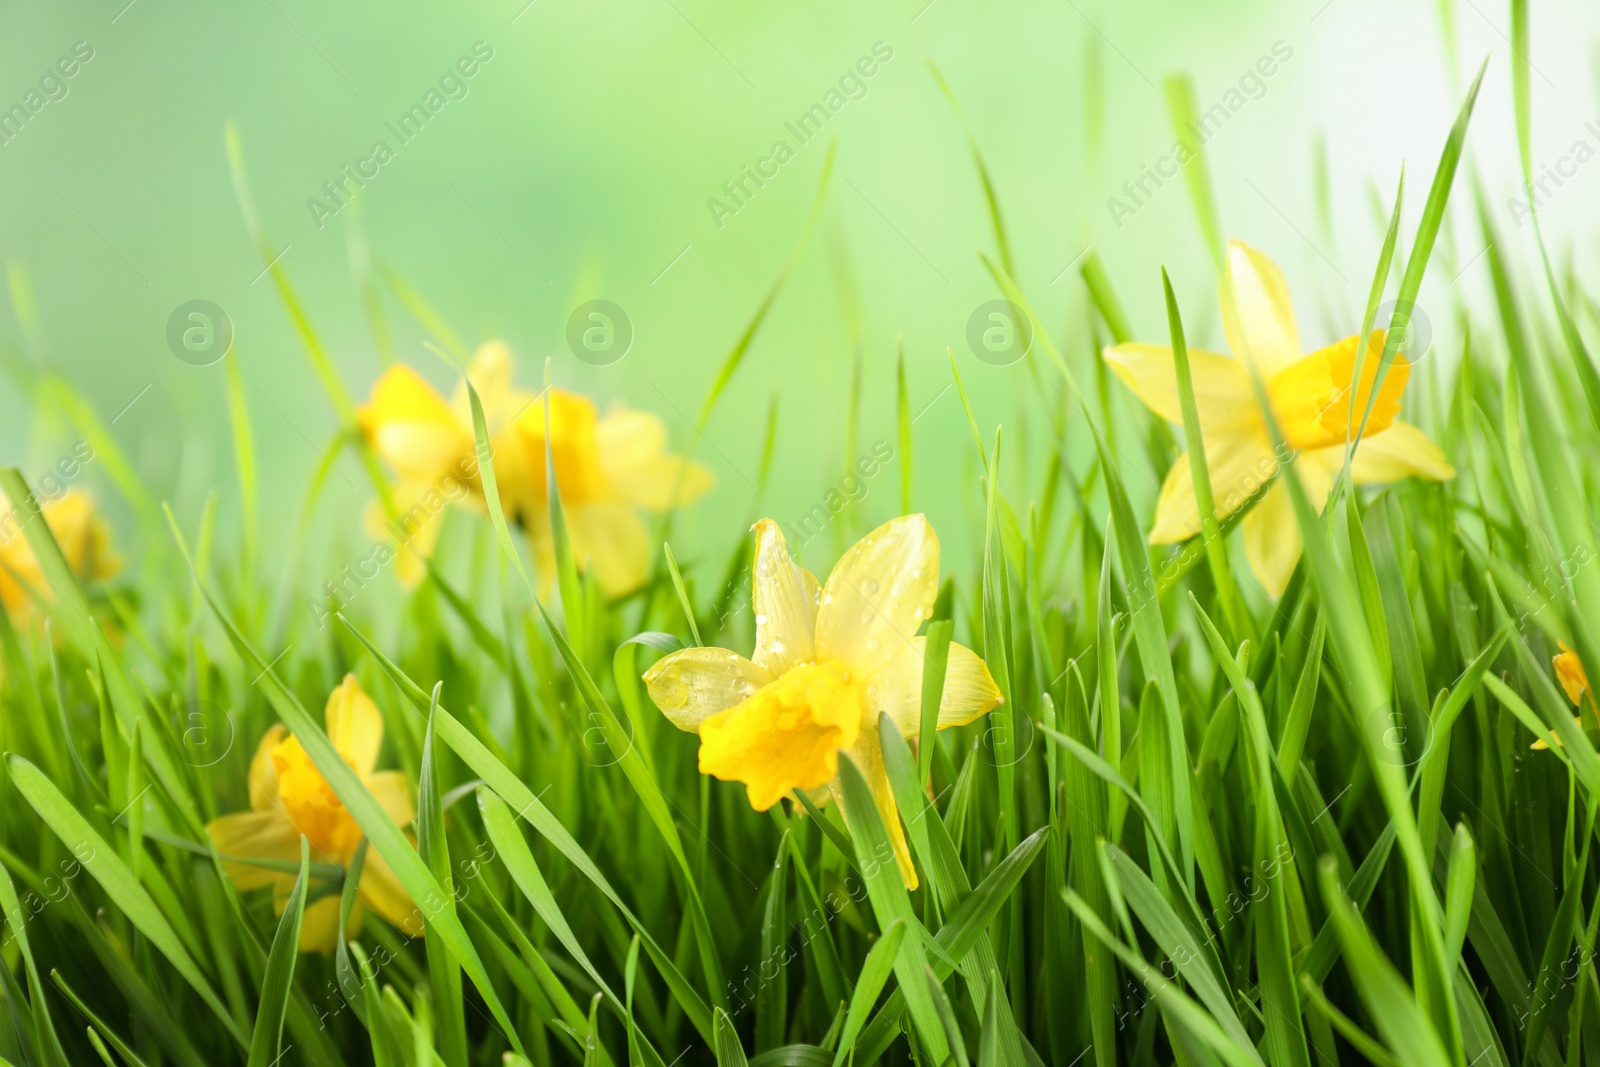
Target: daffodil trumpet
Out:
[829,660]
[1319,402]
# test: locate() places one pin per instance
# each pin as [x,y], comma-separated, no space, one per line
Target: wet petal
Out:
[355,726]
[1401,451]
[693,683]
[786,736]
[878,595]
[1259,320]
[895,689]
[1223,394]
[784,596]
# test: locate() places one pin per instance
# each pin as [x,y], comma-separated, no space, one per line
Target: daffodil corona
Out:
[607,467]
[1311,401]
[829,660]
[290,798]
[1569,672]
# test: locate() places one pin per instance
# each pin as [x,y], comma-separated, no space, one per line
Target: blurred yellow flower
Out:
[85,542]
[829,659]
[289,798]
[607,467]
[1310,396]
[1569,672]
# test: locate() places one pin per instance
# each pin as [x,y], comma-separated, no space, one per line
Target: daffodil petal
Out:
[867,753]
[263,774]
[1222,392]
[355,725]
[784,595]
[1401,451]
[384,894]
[84,539]
[393,791]
[1569,672]
[319,925]
[1238,464]
[610,538]
[491,370]
[1271,531]
[262,835]
[878,595]
[786,736]
[1259,319]
[895,689]
[412,427]
[1542,745]
[634,457]
[693,683]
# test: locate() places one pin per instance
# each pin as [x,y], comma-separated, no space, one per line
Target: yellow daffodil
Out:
[1569,672]
[1310,397]
[608,467]
[85,542]
[289,798]
[829,659]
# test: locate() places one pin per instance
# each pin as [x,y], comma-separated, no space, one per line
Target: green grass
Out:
[1204,828]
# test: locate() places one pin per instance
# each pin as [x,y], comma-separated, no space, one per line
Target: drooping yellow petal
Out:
[319,925]
[879,593]
[263,835]
[1259,319]
[393,791]
[1271,532]
[412,428]
[1569,672]
[1401,451]
[895,689]
[784,596]
[787,735]
[867,753]
[1238,463]
[355,725]
[611,538]
[414,532]
[1223,394]
[633,455]
[85,543]
[383,894]
[263,776]
[693,683]
[1542,745]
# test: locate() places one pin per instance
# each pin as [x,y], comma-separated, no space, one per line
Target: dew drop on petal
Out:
[761,620]
[869,586]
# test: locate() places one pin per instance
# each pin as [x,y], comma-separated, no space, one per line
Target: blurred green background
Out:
[580,162]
